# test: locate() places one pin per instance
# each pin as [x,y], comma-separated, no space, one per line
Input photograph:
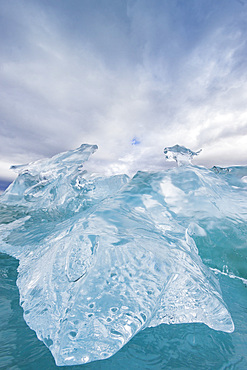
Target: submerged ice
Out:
[101,258]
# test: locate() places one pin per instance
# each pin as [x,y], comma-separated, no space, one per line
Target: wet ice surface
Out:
[186,346]
[102,258]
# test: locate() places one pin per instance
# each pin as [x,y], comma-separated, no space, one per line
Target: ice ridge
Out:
[102,258]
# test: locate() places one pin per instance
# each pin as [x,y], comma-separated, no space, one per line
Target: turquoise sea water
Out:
[182,346]
[147,272]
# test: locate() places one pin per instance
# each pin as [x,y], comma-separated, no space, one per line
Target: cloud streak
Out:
[104,72]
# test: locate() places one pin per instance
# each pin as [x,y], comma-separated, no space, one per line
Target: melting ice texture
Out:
[101,258]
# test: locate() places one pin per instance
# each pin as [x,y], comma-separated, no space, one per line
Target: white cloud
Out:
[164,72]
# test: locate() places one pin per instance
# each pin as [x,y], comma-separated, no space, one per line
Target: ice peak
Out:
[180,154]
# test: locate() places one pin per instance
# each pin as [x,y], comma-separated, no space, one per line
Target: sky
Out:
[132,76]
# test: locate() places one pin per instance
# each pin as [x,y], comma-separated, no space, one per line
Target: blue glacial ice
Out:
[101,258]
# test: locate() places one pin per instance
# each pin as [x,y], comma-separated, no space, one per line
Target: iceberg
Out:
[101,258]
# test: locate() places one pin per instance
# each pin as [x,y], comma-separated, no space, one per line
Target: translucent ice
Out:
[180,154]
[103,257]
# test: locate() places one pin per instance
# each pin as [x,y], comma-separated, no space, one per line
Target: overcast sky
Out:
[131,76]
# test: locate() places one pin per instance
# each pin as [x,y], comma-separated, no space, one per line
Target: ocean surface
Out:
[116,272]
